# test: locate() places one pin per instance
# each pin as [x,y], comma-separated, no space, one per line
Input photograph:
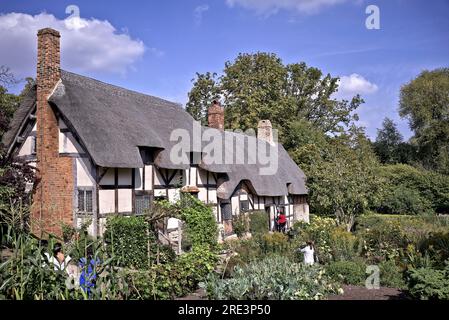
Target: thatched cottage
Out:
[101,149]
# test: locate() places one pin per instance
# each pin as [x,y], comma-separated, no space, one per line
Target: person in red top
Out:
[281,222]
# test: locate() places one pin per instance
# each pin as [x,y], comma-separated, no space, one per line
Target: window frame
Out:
[84,191]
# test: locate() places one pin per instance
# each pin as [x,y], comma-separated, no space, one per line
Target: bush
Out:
[391,275]
[258,222]
[127,239]
[347,272]
[276,242]
[240,224]
[428,283]
[431,188]
[171,280]
[273,278]
[318,231]
[343,244]
[404,200]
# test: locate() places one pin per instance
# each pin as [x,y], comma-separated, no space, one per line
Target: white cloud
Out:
[198,13]
[268,7]
[86,44]
[354,84]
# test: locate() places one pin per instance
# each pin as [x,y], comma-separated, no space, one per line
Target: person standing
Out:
[309,253]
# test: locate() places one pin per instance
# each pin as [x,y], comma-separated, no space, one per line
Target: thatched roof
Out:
[112,123]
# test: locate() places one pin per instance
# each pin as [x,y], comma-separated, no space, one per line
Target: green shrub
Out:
[347,272]
[258,222]
[391,275]
[171,280]
[276,242]
[273,278]
[240,224]
[318,231]
[201,227]
[131,242]
[343,244]
[421,187]
[404,200]
[428,283]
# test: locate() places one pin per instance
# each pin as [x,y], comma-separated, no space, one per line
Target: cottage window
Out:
[226,211]
[85,201]
[244,205]
[142,202]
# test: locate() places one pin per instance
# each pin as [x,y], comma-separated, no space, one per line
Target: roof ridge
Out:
[134,92]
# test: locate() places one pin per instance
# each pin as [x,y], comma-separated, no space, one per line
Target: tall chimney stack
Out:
[52,198]
[215,116]
[265,131]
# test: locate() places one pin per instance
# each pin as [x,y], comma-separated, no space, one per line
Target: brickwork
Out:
[215,116]
[53,195]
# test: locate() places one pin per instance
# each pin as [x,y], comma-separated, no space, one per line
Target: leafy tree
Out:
[259,86]
[344,181]
[388,141]
[424,101]
[205,90]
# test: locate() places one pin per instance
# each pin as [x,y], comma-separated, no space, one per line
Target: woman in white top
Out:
[309,253]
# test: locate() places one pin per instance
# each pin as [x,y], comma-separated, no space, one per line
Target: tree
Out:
[424,101]
[345,182]
[259,86]
[203,93]
[388,141]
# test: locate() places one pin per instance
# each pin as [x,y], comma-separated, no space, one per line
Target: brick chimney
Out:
[215,116]
[53,195]
[265,131]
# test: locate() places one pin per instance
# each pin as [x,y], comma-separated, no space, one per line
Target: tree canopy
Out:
[260,86]
[424,101]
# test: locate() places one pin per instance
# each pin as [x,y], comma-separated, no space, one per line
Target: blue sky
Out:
[156,47]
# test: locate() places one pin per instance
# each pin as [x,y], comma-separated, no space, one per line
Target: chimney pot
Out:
[265,131]
[215,116]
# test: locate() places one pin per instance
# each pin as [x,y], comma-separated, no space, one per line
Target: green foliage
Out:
[240,224]
[259,86]
[347,272]
[318,231]
[258,222]
[28,274]
[428,283]
[273,278]
[391,275]
[201,227]
[274,242]
[425,103]
[205,90]
[421,188]
[171,280]
[127,239]
[404,200]
[343,244]
[345,180]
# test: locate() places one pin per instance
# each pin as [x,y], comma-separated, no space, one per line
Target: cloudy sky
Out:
[156,47]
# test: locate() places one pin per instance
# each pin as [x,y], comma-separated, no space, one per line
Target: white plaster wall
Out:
[202,195]
[68,144]
[125,198]
[173,195]
[193,180]
[159,193]
[27,146]
[106,201]
[108,178]
[84,176]
[212,196]
[148,177]
[235,205]
[82,220]
[158,180]
[101,226]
